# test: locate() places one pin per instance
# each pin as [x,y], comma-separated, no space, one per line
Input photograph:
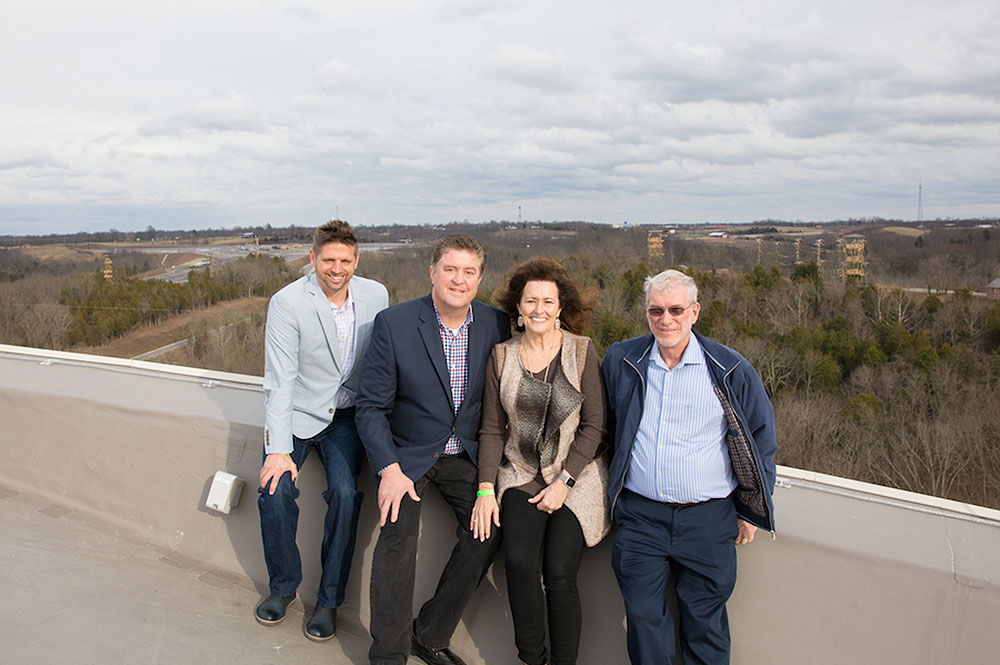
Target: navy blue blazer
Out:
[404,405]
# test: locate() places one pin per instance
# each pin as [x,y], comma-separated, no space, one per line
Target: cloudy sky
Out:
[186,114]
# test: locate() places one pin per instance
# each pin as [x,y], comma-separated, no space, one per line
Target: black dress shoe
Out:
[322,624]
[272,609]
[434,656]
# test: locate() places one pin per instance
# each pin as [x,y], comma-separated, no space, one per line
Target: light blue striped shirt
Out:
[680,453]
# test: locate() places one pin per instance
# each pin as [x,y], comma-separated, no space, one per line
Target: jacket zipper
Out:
[642,384]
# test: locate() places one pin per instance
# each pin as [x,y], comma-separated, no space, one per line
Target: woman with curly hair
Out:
[540,463]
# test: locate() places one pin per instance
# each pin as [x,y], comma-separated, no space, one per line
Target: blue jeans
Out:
[339,449]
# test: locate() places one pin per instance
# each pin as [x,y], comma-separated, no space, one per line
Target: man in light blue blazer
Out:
[317,332]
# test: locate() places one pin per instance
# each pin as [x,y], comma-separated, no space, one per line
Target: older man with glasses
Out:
[691,475]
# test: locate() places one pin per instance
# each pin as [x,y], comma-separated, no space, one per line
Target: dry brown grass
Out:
[58,254]
[908,231]
[183,258]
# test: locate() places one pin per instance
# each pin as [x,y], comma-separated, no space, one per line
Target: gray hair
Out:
[671,279]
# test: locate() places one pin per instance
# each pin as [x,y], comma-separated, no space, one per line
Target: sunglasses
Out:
[675,311]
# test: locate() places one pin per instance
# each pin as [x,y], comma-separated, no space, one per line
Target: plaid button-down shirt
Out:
[456,353]
[343,317]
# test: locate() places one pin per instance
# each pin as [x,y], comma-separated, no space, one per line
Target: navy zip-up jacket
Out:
[751,436]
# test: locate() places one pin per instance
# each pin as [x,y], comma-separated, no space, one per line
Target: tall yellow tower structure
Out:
[654,244]
[853,248]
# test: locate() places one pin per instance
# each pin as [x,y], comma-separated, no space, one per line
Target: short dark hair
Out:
[462,242]
[577,306]
[336,230]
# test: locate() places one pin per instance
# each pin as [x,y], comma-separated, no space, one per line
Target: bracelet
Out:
[488,492]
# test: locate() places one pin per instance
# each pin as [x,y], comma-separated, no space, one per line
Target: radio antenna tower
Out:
[920,202]
[519,220]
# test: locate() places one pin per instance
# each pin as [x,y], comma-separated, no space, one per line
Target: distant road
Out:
[149,355]
[935,292]
[218,255]
[923,290]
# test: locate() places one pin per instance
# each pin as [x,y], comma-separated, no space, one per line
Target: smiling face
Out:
[672,332]
[455,281]
[335,264]
[539,306]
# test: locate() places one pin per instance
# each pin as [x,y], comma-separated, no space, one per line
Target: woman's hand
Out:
[485,514]
[552,497]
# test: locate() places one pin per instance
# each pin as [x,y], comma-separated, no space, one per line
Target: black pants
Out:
[394,567]
[540,546]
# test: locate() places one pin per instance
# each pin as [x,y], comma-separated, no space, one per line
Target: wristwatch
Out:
[568,479]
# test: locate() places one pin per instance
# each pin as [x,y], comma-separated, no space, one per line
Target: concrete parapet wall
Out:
[858,573]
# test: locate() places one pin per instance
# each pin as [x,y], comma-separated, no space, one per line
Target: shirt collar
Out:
[469,318]
[348,302]
[693,354]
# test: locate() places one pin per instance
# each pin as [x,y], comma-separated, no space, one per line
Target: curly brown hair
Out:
[577,306]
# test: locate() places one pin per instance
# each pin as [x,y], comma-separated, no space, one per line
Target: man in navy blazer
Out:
[418,415]
[317,332]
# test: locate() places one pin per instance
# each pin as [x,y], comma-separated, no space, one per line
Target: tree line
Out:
[61,312]
[872,383]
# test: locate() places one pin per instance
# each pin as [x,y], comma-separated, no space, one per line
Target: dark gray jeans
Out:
[394,568]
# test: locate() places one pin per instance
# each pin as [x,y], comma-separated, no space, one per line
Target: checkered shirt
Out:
[343,317]
[456,353]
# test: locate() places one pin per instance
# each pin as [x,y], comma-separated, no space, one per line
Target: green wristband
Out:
[485,493]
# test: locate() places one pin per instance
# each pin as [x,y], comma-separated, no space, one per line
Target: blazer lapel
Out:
[428,329]
[360,316]
[479,349]
[326,321]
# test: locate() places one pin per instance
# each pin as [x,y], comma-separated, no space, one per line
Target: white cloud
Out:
[336,76]
[545,71]
[29,157]
[227,112]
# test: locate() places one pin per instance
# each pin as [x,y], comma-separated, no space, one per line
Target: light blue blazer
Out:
[303,372]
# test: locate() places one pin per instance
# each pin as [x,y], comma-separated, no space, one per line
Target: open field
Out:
[59,254]
[908,231]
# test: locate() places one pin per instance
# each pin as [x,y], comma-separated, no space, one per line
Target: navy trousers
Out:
[339,449]
[695,545]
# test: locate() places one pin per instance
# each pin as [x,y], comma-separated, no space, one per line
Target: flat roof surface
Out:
[81,592]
